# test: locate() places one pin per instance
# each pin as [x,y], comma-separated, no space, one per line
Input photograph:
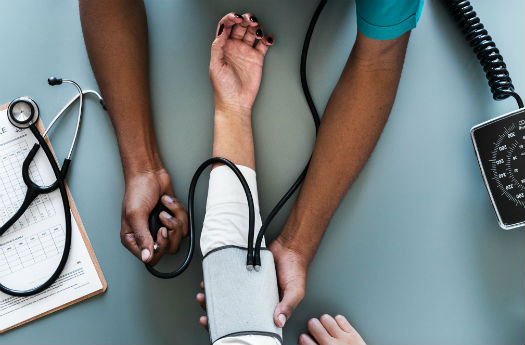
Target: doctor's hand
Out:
[292,268]
[235,65]
[143,191]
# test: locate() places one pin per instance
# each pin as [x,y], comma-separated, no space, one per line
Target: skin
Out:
[355,116]
[116,37]
[235,72]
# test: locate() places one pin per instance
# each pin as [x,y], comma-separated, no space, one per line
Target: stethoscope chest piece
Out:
[22,112]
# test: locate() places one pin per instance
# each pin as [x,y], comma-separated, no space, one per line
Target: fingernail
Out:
[164,232]
[168,199]
[166,215]
[270,40]
[145,254]
[254,19]
[282,319]
[259,33]
[220,30]
[237,15]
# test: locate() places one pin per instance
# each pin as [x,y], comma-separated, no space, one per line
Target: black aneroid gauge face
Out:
[500,149]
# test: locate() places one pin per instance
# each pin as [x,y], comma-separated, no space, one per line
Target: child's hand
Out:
[328,330]
[235,65]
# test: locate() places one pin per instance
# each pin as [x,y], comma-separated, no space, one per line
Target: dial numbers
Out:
[500,148]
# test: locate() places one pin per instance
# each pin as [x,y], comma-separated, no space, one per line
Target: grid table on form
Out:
[13,188]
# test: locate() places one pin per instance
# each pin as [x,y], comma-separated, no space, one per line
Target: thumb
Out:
[139,226]
[292,295]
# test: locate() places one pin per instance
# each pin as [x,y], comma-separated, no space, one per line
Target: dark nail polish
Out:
[237,15]
[254,19]
[270,40]
[259,33]
[220,30]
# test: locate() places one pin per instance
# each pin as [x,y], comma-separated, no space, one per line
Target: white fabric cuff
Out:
[226,221]
[225,187]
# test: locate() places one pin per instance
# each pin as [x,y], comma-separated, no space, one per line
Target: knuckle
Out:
[141,237]
[126,239]
[325,317]
[175,222]
[132,213]
[297,293]
[287,309]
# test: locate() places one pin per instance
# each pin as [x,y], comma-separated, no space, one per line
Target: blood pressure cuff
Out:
[240,302]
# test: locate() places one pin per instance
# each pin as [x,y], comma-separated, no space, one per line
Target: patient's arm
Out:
[116,36]
[235,73]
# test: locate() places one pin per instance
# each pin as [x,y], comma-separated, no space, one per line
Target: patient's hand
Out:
[235,65]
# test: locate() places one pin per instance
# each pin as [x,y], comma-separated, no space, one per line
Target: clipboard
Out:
[87,243]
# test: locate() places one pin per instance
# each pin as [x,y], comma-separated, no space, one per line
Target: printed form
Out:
[31,249]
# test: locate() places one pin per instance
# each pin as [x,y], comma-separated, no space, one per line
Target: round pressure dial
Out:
[499,145]
[508,163]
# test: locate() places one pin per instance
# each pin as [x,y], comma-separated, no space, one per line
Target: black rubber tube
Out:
[485,49]
[191,217]
[317,122]
[60,178]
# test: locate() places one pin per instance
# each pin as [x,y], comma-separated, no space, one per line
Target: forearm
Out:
[116,37]
[352,123]
[233,138]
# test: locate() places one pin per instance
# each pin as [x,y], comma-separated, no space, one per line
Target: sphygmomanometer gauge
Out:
[500,149]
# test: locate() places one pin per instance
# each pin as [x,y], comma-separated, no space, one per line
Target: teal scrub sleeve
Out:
[387,19]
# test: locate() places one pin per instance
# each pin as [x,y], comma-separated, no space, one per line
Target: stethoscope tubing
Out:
[60,184]
[191,218]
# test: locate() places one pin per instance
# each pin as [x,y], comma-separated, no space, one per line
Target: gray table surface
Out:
[413,255]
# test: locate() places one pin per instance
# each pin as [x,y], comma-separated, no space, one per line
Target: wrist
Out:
[146,162]
[232,110]
[306,224]
[298,238]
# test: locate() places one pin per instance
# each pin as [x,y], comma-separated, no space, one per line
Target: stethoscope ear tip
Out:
[54,81]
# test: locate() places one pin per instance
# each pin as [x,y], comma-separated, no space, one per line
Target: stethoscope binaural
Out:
[23,113]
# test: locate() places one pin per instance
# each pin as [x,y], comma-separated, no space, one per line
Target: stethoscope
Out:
[23,113]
